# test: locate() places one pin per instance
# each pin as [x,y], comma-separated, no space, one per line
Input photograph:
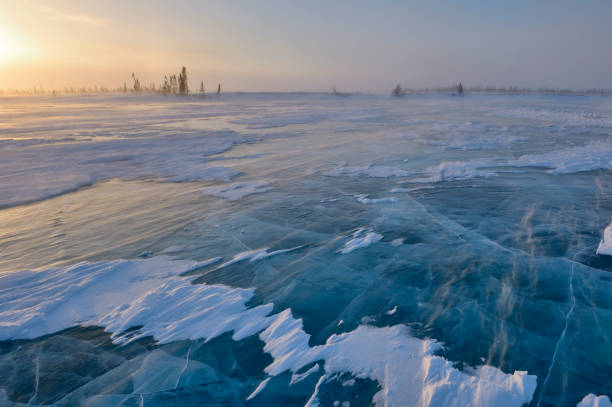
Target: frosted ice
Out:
[369,170]
[40,171]
[570,117]
[592,156]
[172,249]
[271,121]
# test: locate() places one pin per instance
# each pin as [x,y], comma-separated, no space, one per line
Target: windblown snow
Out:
[48,169]
[369,170]
[238,190]
[592,156]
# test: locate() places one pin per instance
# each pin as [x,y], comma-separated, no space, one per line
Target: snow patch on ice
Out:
[259,388]
[122,294]
[361,238]
[171,308]
[258,254]
[405,367]
[363,198]
[592,400]
[295,378]
[237,191]
[398,242]
[203,263]
[605,245]
[456,170]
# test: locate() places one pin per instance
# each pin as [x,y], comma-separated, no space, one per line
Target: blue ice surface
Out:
[474,221]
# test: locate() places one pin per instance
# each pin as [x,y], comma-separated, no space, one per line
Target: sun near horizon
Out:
[290,45]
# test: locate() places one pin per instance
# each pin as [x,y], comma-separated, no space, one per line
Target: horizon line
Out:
[102,90]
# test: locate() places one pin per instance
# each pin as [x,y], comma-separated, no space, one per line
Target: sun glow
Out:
[15,48]
[7,49]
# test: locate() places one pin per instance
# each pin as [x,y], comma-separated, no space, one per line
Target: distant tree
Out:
[219,89]
[336,93]
[136,88]
[398,91]
[124,89]
[460,89]
[166,88]
[173,84]
[183,88]
[202,87]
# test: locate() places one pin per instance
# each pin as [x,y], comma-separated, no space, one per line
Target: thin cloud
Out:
[80,18]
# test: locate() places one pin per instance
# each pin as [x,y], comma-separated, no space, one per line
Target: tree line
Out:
[178,84]
[398,91]
[459,89]
[172,85]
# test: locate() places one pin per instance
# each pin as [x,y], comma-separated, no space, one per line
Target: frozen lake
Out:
[305,249]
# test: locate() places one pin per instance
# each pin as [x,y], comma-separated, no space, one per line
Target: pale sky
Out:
[283,45]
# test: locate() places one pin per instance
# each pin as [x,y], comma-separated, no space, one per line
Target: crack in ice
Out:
[37,381]
[568,315]
[562,336]
[178,379]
